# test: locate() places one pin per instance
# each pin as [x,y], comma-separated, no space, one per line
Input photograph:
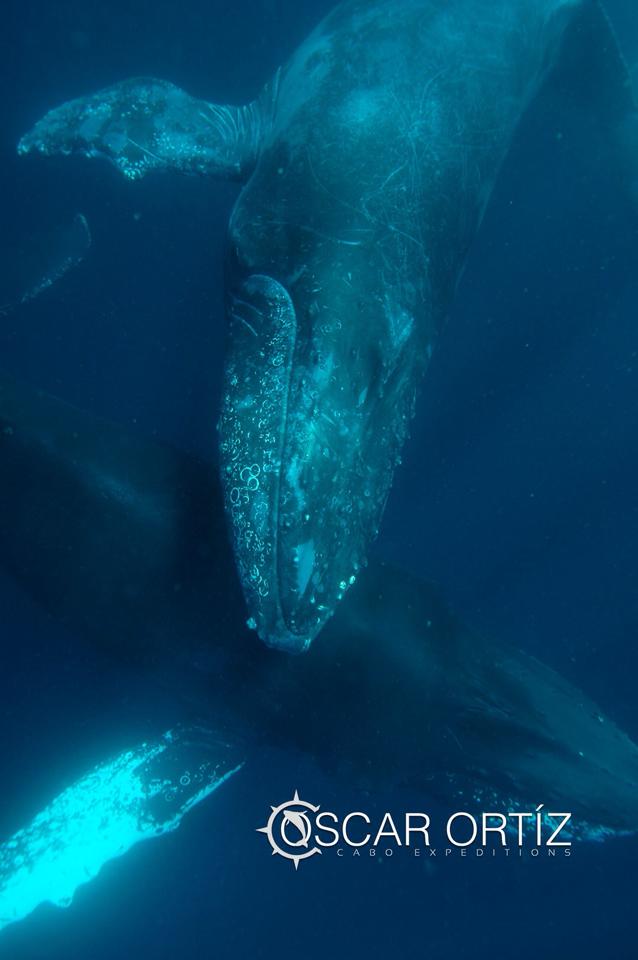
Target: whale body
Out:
[122,540]
[368,162]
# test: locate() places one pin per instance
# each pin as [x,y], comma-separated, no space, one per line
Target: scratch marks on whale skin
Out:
[306,228]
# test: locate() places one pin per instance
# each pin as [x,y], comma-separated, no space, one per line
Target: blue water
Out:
[517,495]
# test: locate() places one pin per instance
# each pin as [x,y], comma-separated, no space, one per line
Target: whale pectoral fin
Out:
[142,793]
[143,124]
[30,265]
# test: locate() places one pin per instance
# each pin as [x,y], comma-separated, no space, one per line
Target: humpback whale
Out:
[367,164]
[122,540]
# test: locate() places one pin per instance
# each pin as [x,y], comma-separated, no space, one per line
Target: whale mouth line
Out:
[277,506]
[283,632]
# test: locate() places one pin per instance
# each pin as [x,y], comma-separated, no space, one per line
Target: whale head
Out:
[319,392]
[331,324]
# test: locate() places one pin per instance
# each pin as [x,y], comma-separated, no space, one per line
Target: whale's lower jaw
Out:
[307,463]
[272,512]
[262,336]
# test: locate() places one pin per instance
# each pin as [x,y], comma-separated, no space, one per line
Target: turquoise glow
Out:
[140,794]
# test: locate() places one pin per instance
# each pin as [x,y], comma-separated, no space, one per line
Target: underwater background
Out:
[517,495]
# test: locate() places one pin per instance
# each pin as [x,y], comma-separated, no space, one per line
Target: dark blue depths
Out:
[517,495]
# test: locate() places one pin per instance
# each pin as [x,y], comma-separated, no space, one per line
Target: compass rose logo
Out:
[289,830]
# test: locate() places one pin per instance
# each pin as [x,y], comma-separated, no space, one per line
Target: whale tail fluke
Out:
[143,124]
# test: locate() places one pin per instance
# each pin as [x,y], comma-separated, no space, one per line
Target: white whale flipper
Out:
[139,795]
[144,124]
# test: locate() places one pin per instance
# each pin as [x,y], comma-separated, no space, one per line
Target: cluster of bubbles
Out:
[251,426]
